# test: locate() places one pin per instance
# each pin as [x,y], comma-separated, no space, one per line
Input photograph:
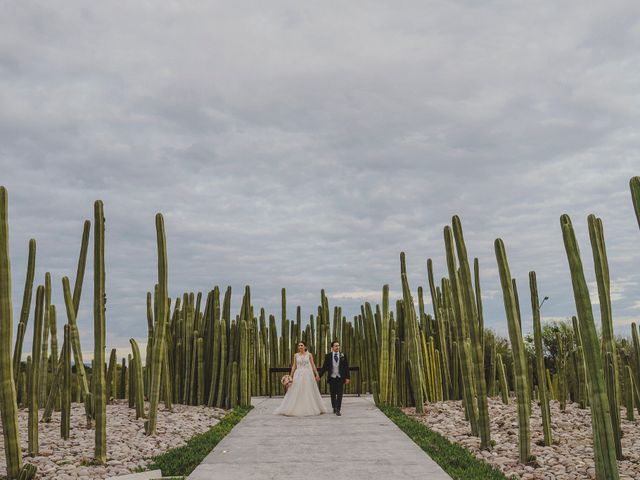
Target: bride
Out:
[303,397]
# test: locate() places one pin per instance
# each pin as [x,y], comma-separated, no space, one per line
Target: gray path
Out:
[362,444]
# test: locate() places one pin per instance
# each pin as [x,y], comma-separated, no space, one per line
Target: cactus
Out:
[504,386]
[77,349]
[604,443]
[99,298]
[65,423]
[517,347]
[34,376]
[629,393]
[384,348]
[233,403]
[8,399]
[113,360]
[160,327]
[634,184]
[24,311]
[44,354]
[596,235]
[473,318]
[28,472]
[200,382]
[540,369]
[55,388]
[54,340]
[138,384]
[122,381]
[562,373]
[413,347]
[455,295]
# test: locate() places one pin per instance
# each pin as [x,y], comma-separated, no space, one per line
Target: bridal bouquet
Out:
[286,381]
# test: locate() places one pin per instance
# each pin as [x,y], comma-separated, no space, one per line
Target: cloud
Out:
[305,145]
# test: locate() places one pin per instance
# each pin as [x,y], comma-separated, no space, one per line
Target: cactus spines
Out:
[98,375]
[540,368]
[8,398]
[160,327]
[517,346]
[604,443]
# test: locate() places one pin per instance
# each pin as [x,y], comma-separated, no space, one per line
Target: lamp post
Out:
[543,300]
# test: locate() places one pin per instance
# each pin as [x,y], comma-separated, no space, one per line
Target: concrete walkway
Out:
[361,444]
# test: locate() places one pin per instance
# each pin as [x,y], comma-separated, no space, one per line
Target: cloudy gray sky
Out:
[305,144]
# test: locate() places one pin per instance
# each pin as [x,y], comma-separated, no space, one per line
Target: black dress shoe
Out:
[338,413]
[334,410]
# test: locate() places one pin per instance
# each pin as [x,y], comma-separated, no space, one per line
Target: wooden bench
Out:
[273,370]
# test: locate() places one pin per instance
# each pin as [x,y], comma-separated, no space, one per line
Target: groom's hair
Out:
[334,342]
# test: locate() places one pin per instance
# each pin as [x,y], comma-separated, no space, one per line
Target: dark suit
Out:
[336,384]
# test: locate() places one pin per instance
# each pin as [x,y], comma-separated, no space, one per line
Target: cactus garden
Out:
[561,401]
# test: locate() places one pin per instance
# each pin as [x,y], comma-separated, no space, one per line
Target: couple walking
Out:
[303,397]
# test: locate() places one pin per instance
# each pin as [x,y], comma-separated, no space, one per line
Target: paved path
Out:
[361,444]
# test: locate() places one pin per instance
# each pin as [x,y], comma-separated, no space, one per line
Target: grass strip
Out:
[454,459]
[183,460]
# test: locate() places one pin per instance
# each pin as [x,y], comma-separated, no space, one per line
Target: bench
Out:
[273,370]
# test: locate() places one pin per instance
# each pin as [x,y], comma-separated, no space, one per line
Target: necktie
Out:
[335,357]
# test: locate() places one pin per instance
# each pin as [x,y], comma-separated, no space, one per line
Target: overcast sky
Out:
[305,144]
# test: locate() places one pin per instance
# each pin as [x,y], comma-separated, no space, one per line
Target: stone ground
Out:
[127,446]
[570,458]
[362,444]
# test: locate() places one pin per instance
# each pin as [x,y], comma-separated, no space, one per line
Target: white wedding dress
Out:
[303,397]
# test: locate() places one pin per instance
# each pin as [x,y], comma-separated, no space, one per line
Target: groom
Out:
[336,366]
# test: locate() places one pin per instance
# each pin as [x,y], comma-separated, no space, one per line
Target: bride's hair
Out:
[304,343]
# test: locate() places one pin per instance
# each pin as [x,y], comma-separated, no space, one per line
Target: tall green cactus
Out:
[504,385]
[113,361]
[603,434]
[384,348]
[540,368]
[455,295]
[413,347]
[24,311]
[562,372]
[596,235]
[138,384]
[473,318]
[44,353]
[629,393]
[517,347]
[34,377]
[53,321]
[160,328]
[65,423]
[99,298]
[8,399]
[77,348]
[634,184]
